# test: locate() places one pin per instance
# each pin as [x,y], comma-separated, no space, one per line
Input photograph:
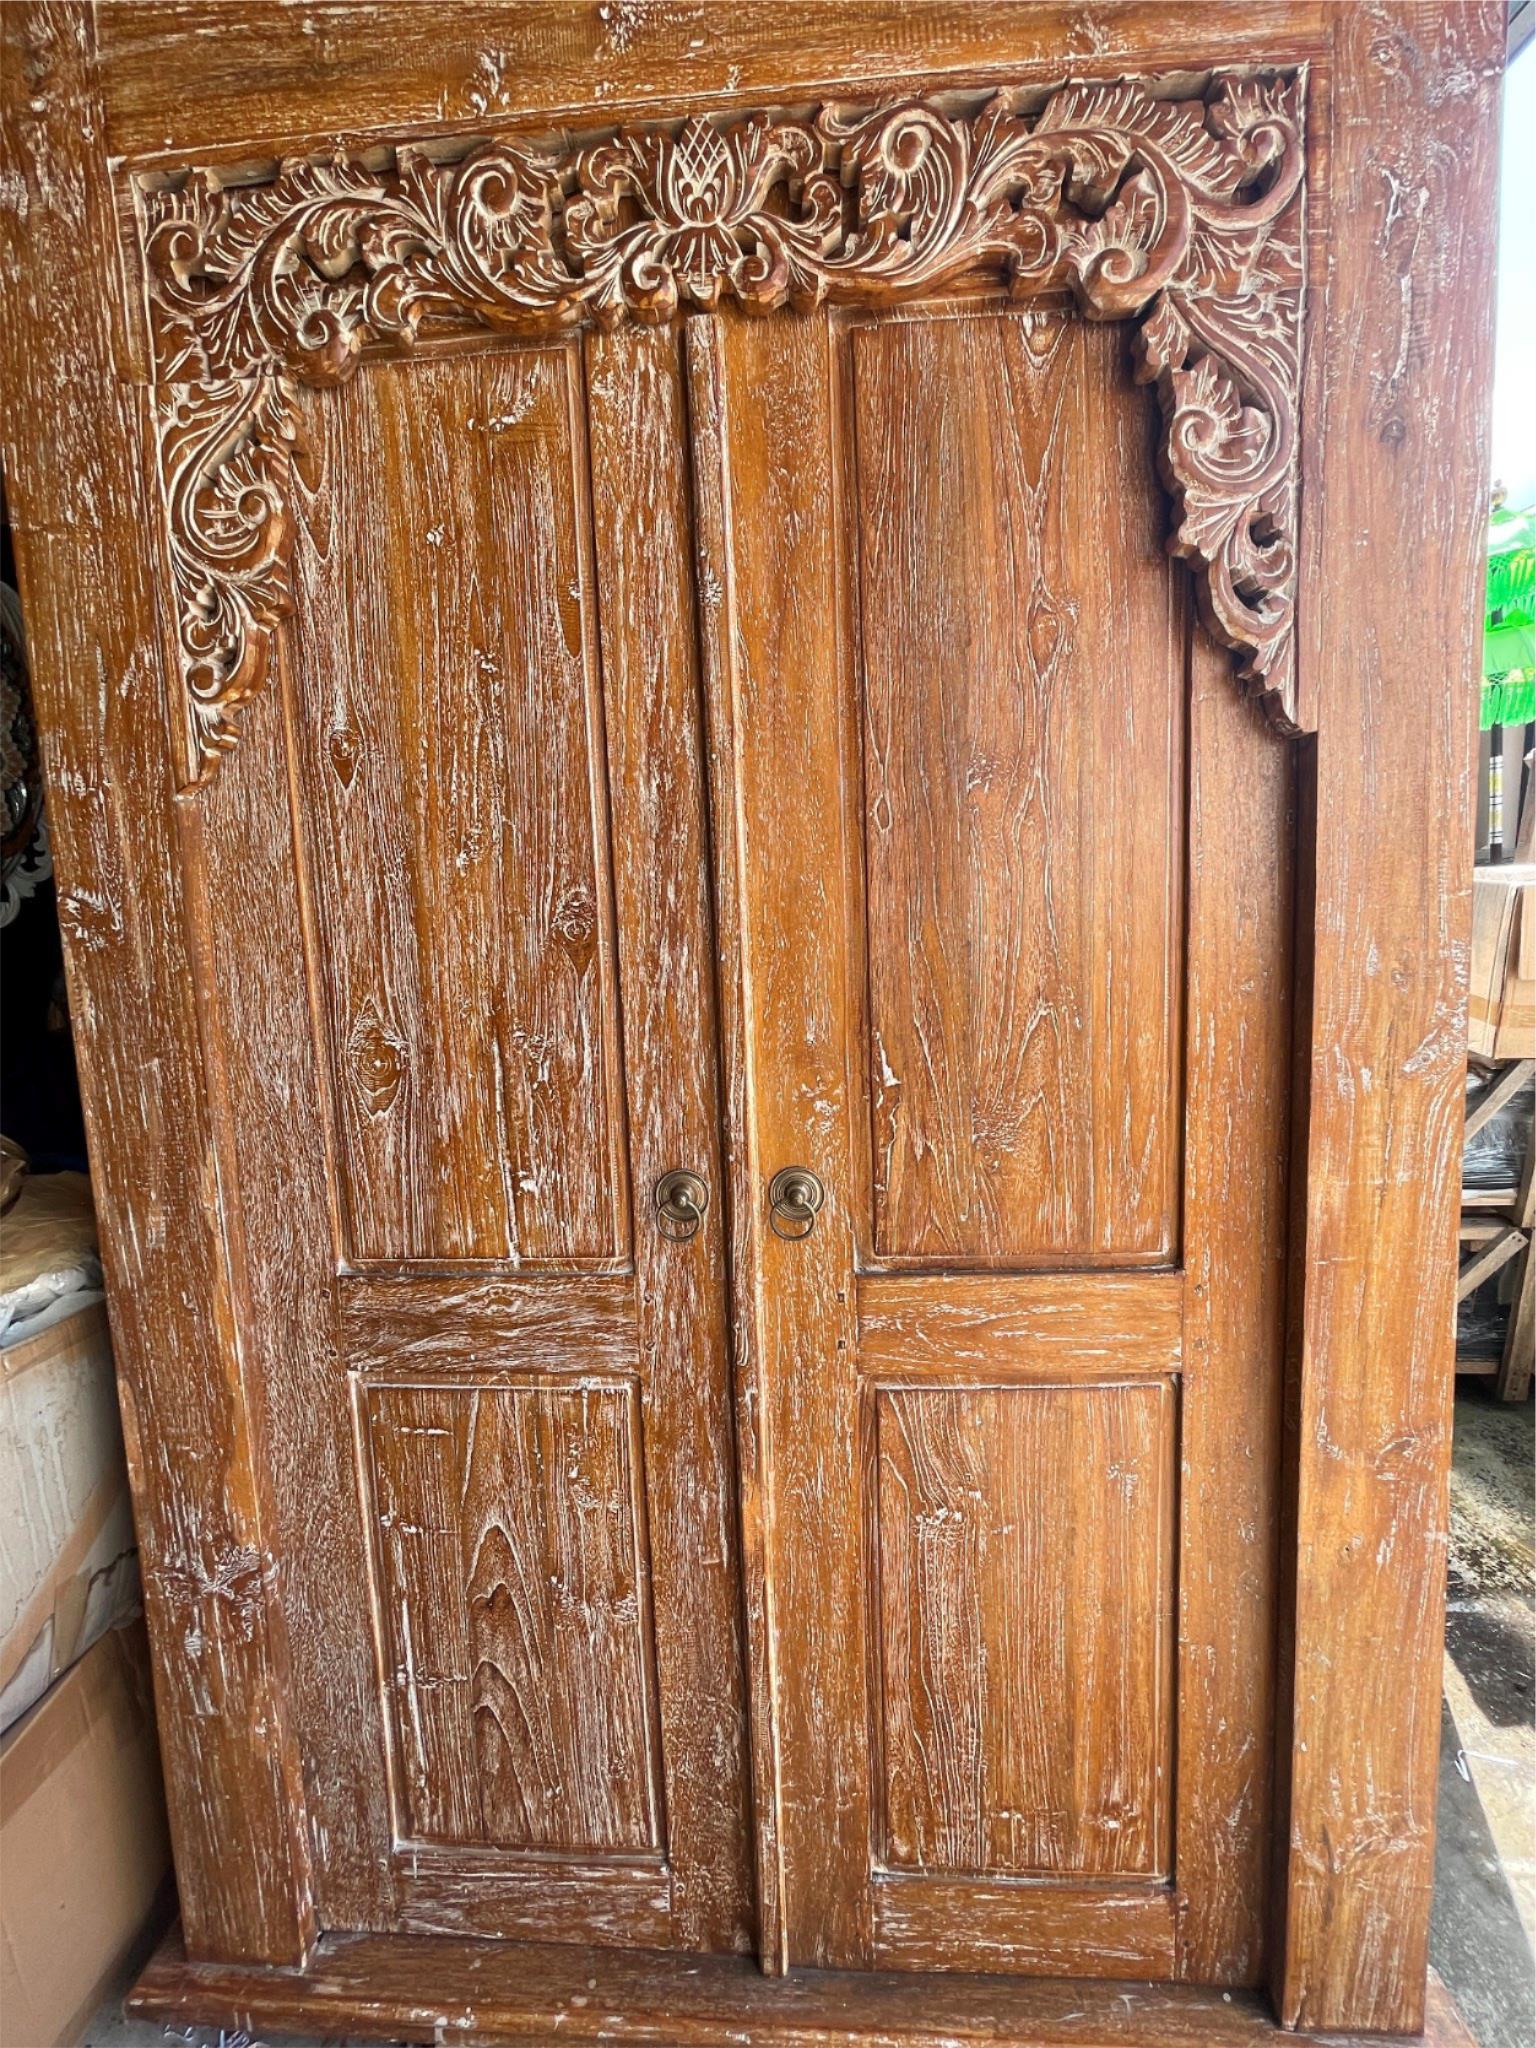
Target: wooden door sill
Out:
[421,1988]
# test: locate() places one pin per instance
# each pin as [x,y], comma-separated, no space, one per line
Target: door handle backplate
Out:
[681,1198]
[794,1196]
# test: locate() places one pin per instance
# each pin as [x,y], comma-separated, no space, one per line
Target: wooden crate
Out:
[1496,1234]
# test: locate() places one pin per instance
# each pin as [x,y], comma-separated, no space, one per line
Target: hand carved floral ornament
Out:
[1185,214]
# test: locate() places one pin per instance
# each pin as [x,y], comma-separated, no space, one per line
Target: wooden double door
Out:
[748,746]
[810,599]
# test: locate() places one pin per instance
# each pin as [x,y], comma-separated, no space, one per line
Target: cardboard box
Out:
[83,1843]
[68,1565]
[1501,1022]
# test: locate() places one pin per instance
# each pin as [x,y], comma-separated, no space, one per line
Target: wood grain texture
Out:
[517,1613]
[1102,1929]
[1401,434]
[640,497]
[494,1898]
[75,447]
[403,65]
[407,1990]
[1025,1541]
[238,852]
[423,1323]
[1028,1325]
[776,731]
[1022,638]
[450,723]
[1236,1159]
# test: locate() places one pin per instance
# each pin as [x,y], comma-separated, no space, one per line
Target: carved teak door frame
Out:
[1171,184]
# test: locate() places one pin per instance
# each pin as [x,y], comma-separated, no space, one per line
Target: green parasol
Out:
[1509,641]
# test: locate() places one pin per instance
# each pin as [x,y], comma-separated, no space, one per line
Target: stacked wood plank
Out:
[1497,1226]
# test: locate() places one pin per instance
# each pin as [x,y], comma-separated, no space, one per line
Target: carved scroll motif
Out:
[1183,214]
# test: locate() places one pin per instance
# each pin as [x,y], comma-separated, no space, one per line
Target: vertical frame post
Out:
[1392,614]
[76,448]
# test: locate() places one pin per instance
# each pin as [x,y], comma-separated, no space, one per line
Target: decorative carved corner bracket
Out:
[1182,214]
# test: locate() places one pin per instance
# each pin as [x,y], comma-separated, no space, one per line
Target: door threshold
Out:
[430,1989]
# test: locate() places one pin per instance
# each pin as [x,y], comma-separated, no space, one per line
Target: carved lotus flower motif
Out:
[662,215]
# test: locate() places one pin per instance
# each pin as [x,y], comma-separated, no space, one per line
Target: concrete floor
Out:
[1484,1922]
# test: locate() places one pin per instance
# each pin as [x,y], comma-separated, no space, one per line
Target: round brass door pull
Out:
[681,1198]
[794,1196]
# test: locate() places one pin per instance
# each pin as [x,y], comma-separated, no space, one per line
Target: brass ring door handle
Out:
[681,1198]
[794,1196]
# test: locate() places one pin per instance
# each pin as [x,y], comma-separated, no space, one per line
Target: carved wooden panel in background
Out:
[449,731]
[1183,213]
[1026,1585]
[1023,652]
[515,1613]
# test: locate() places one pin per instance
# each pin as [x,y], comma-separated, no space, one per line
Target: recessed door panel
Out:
[1025,1549]
[448,709]
[1022,643]
[510,1556]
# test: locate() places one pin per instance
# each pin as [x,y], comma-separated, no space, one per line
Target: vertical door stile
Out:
[764,455]
[709,448]
[1237,1161]
[639,456]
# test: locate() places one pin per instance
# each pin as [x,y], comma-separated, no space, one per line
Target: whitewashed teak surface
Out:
[813,598]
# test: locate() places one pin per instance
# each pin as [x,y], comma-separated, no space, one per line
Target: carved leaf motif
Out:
[1112,254]
[1185,213]
[1261,115]
[1227,372]
[1196,154]
[1164,335]
[225,450]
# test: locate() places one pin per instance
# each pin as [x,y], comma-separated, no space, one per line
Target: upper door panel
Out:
[1022,639]
[450,739]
